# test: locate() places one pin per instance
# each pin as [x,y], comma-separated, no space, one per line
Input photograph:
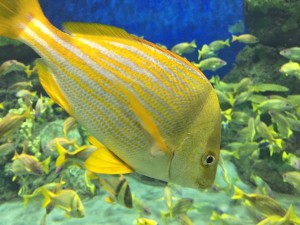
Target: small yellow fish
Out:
[119,190]
[240,117]
[51,145]
[289,218]
[67,200]
[292,160]
[243,85]
[294,100]
[266,133]
[140,207]
[290,68]
[185,220]
[21,85]
[1,105]
[218,44]
[28,164]
[88,182]
[168,198]
[205,52]
[282,124]
[153,111]
[184,48]
[26,94]
[11,122]
[293,178]
[245,38]
[77,156]
[11,66]
[212,64]
[264,205]
[39,107]
[227,219]
[53,187]
[6,148]
[277,105]
[224,98]
[180,207]
[242,97]
[29,71]
[291,53]
[268,87]
[145,221]
[69,124]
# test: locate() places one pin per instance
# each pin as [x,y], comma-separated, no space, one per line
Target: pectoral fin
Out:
[103,161]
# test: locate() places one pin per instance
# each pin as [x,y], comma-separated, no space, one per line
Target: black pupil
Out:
[209,159]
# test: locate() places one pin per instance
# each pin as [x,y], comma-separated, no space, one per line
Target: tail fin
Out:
[45,165]
[227,42]
[234,38]
[15,14]
[26,199]
[291,216]
[62,153]
[47,197]
[193,44]
[238,193]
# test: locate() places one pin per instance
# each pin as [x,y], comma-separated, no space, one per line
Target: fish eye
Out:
[208,160]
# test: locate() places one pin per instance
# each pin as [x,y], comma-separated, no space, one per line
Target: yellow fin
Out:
[103,161]
[62,153]
[50,85]
[86,30]
[47,197]
[45,165]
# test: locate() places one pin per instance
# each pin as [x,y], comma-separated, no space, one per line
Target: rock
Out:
[261,63]
[275,22]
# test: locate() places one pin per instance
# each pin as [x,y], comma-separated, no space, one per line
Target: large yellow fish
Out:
[152,111]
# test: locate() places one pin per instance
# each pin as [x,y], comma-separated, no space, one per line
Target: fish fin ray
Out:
[103,161]
[51,86]
[94,30]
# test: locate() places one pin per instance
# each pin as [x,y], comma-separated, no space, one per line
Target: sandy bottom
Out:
[98,212]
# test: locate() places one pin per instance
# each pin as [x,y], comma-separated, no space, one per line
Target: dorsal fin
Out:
[93,29]
[51,86]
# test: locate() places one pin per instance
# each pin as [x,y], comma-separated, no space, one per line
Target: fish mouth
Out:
[203,184]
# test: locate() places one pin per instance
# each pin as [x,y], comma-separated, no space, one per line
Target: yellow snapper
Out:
[245,38]
[154,111]
[65,199]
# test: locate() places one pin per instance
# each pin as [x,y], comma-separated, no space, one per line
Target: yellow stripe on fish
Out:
[155,111]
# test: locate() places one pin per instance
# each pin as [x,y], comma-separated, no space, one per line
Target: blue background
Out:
[167,21]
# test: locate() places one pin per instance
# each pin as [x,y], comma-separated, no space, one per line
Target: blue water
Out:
[167,21]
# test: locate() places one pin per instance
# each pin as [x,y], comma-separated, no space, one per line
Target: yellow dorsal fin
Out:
[103,161]
[94,30]
[51,86]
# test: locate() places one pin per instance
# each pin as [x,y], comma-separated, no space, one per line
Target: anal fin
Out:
[103,161]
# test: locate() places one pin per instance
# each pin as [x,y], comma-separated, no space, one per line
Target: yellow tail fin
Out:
[16,14]
[62,153]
